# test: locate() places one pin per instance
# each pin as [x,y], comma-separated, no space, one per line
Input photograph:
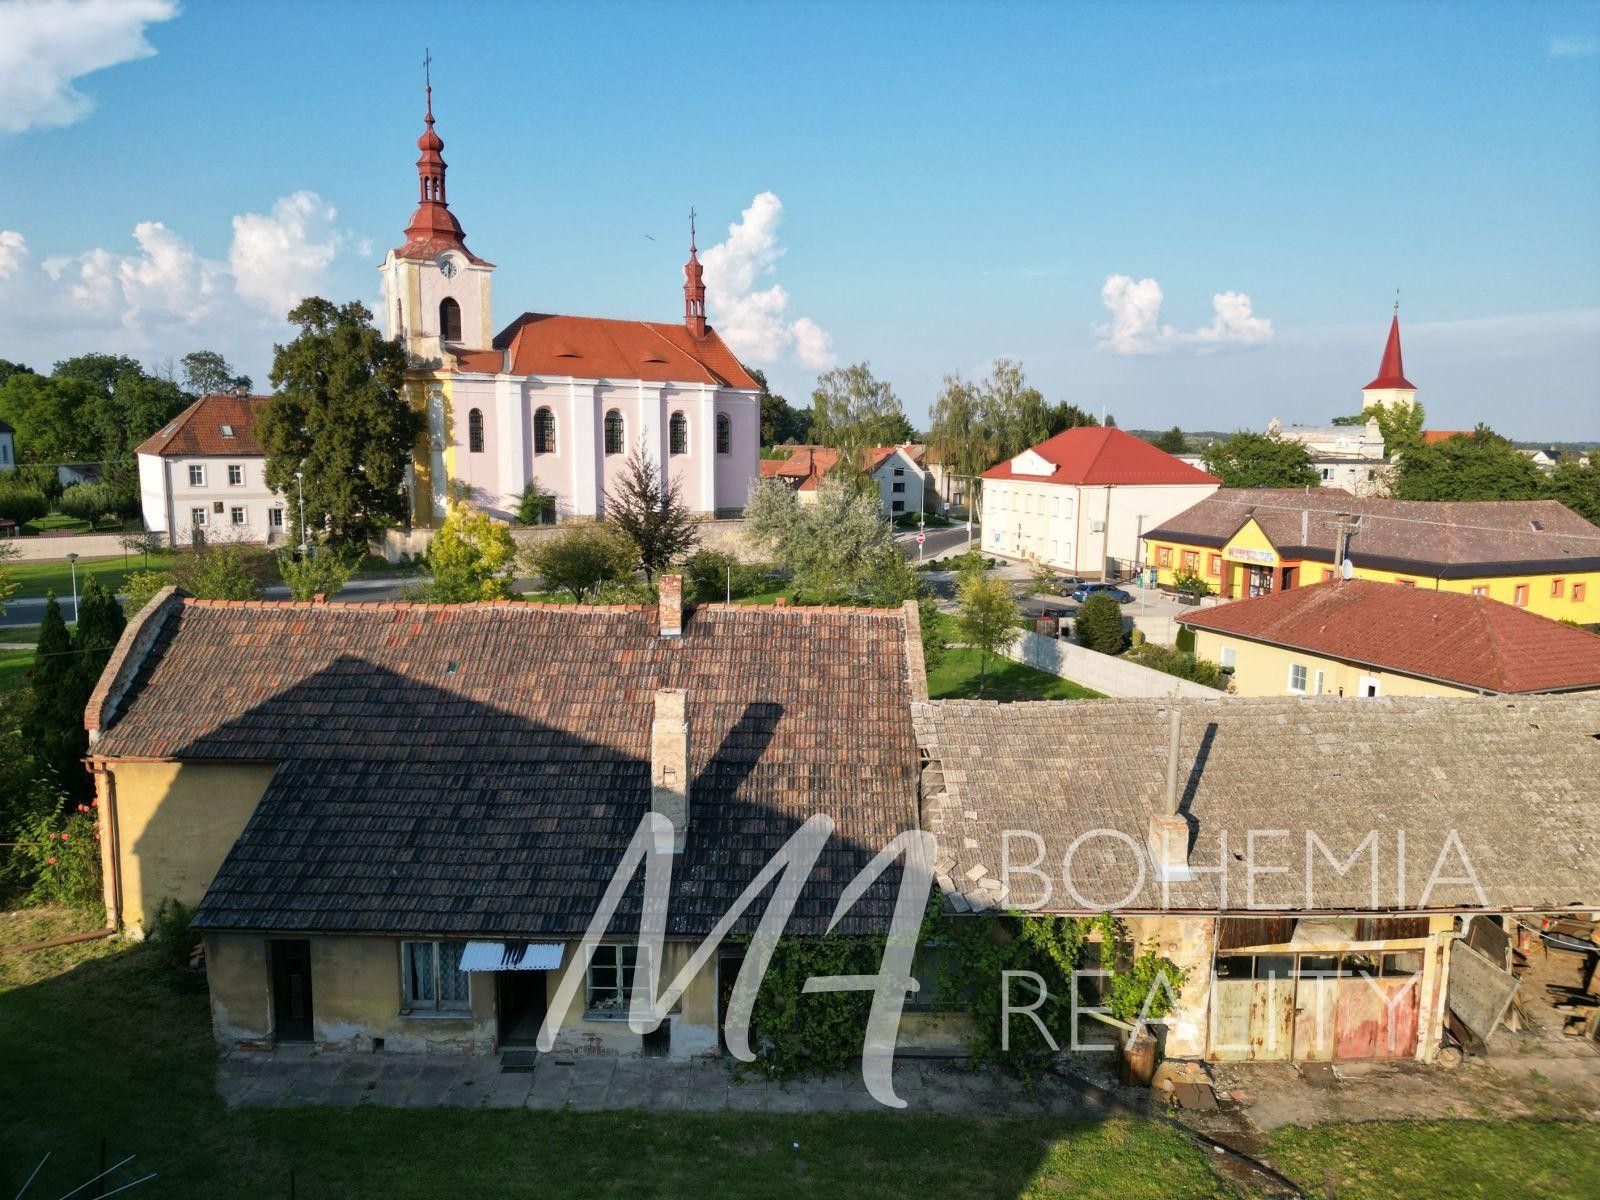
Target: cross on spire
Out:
[691,229]
[427,79]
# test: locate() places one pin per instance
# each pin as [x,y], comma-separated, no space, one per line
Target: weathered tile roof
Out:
[478,769]
[1449,539]
[203,427]
[1453,637]
[1517,781]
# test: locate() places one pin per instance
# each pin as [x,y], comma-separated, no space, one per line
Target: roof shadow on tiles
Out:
[404,806]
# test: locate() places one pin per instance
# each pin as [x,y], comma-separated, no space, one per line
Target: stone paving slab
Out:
[599,1083]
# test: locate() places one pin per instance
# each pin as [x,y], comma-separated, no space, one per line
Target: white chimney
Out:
[669,763]
[1168,837]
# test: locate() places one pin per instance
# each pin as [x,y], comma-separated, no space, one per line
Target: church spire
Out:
[694,289]
[433,228]
[1391,372]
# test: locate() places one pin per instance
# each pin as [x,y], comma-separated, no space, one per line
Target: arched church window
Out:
[475,431]
[678,434]
[613,432]
[449,320]
[724,434]
[544,432]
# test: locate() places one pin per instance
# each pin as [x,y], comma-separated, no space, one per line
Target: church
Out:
[552,400]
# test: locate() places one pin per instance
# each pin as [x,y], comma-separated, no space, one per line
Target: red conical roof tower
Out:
[433,228]
[1391,374]
[694,289]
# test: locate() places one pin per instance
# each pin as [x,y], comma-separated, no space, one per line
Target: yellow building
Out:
[1532,554]
[1359,638]
[395,822]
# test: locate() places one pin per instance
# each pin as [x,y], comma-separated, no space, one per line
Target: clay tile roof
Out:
[478,769]
[1448,636]
[1430,436]
[1446,539]
[1511,779]
[602,348]
[1094,455]
[221,425]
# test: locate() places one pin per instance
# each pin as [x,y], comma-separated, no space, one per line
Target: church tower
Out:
[1391,386]
[694,289]
[437,296]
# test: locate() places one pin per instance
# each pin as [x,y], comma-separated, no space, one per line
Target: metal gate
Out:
[1315,1007]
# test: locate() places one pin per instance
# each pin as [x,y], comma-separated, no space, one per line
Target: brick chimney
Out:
[669,763]
[671,604]
[1168,837]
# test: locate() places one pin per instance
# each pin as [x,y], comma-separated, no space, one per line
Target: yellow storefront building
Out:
[1532,554]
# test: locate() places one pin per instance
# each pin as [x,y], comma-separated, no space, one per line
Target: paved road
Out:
[940,541]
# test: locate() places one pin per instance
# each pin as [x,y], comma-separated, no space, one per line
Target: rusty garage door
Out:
[1315,1007]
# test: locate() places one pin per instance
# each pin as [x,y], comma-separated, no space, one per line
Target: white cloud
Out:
[755,321]
[164,297]
[45,45]
[1574,47]
[1135,326]
[279,259]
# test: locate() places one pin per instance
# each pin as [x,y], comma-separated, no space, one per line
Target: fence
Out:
[1114,676]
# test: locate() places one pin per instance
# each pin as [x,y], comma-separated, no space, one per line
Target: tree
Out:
[1172,441]
[958,433]
[988,618]
[1064,416]
[851,409]
[1259,460]
[833,546]
[340,417]
[48,416]
[581,559]
[207,373]
[1481,465]
[649,511]
[9,368]
[471,558]
[1015,413]
[1578,487]
[1401,426]
[324,572]
[1099,625]
[54,724]
[100,624]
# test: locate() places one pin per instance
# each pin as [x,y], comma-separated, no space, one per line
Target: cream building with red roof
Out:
[554,400]
[1085,498]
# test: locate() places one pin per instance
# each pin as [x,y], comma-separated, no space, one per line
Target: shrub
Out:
[581,558]
[21,501]
[63,856]
[1099,625]
[1191,583]
[1182,665]
[1185,639]
[711,574]
[139,587]
[323,573]
[168,931]
[87,501]
[222,571]
[536,506]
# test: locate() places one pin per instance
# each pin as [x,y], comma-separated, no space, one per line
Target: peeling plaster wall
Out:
[1190,942]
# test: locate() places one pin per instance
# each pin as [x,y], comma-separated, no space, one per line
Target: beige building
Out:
[1083,500]
[1359,637]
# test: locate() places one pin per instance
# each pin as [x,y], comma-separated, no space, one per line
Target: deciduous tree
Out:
[1578,487]
[324,572]
[1481,465]
[988,617]
[833,546]
[852,409]
[470,558]
[581,559]
[1258,460]
[207,373]
[339,416]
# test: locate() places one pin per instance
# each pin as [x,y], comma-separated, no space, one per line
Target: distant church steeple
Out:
[694,289]
[433,228]
[1391,385]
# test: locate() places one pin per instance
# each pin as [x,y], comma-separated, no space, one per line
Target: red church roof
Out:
[603,348]
[1391,373]
[1095,455]
[1470,641]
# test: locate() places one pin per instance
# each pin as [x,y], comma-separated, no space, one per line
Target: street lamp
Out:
[300,487]
[72,562]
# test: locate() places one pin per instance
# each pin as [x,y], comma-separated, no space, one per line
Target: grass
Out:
[98,1041]
[14,667]
[956,678]
[34,579]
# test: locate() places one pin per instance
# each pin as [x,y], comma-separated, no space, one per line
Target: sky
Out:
[1192,214]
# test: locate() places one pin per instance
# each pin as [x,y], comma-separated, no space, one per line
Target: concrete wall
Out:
[171,826]
[56,548]
[1112,676]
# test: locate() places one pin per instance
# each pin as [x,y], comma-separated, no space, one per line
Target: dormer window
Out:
[449,320]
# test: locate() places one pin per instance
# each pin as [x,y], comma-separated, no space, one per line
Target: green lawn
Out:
[956,678]
[97,1040]
[14,666]
[36,578]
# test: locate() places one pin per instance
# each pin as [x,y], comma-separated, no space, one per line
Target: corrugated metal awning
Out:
[511,956]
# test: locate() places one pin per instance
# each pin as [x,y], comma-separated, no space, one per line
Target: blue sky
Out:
[927,187]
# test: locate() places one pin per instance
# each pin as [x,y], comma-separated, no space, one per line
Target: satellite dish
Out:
[1347,569]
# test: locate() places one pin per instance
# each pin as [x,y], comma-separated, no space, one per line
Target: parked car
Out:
[1084,590]
[1070,584]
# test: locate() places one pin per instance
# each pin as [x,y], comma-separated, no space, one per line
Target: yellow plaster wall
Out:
[1190,943]
[174,825]
[1261,670]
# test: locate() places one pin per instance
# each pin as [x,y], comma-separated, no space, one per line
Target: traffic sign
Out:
[921,537]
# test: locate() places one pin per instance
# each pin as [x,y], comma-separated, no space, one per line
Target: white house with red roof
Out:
[554,400]
[1082,500]
[204,472]
[897,470]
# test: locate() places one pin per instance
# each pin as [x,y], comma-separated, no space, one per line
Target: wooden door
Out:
[291,990]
